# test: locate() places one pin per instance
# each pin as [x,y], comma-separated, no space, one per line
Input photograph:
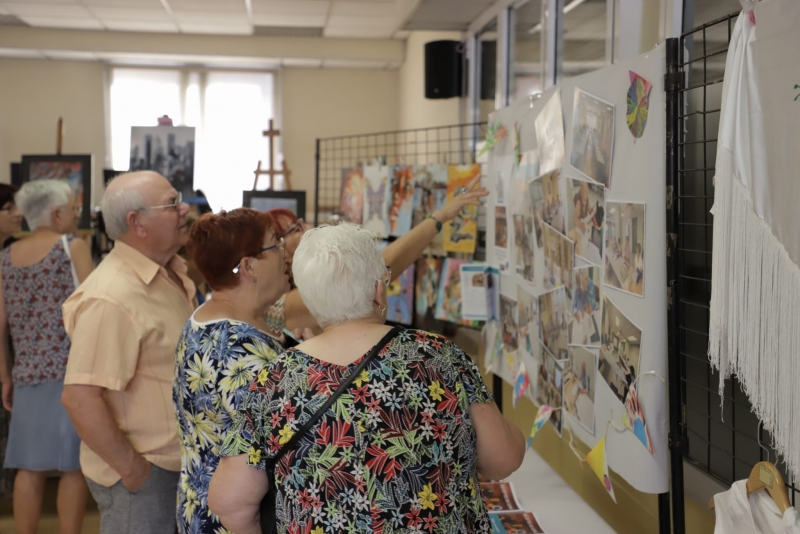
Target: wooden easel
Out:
[60,135]
[272,133]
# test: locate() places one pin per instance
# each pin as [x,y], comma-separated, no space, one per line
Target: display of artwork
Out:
[559,257]
[515,523]
[168,150]
[294,201]
[492,293]
[542,417]
[461,233]
[75,171]
[586,210]
[448,303]
[550,135]
[401,197]
[554,310]
[428,272]
[619,350]
[376,199]
[638,104]
[508,318]
[549,387]
[545,197]
[528,321]
[351,200]
[624,247]
[584,329]
[400,298]
[598,462]
[580,385]
[473,291]
[430,195]
[592,137]
[521,383]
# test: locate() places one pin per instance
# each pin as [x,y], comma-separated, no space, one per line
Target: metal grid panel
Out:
[722,442]
[443,144]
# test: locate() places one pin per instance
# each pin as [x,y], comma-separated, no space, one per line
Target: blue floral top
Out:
[215,365]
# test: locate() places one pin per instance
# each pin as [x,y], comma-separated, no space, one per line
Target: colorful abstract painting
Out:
[400,298]
[638,104]
[351,200]
[461,233]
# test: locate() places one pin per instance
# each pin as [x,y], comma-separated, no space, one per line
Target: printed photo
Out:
[501,237]
[558,259]
[592,137]
[579,385]
[515,523]
[550,134]
[508,317]
[499,497]
[550,385]
[400,298]
[492,293]
[585,215]
[401,197]
[376,199]
[448,304]
[430,194]
[545,197]
[168,150]
[619,350]
[528,322]
[585,326]
[624,250]
[428,272]
[473,291]
[554,310]
[523,248]
[351,201]
[460,234]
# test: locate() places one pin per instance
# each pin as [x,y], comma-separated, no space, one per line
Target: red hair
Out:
[217,243]
[283,220]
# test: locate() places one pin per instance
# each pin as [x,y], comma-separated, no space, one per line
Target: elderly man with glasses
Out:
[124,322]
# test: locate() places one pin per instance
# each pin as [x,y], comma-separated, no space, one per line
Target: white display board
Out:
[636,177]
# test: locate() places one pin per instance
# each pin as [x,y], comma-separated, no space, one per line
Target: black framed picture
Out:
[75,170]
[294,201]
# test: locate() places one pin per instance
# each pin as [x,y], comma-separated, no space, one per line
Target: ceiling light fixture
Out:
[569,7]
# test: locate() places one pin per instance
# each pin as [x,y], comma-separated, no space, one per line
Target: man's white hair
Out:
[117,205]
[38,199]
[336,269]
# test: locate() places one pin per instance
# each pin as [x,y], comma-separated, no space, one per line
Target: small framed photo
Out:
[76,171]
[294,201]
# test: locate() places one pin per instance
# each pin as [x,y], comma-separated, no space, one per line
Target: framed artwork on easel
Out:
[76,171]
[294,201]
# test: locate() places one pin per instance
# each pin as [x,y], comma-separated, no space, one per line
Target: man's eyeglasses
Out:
[280,246]
[296,227]
[175,205]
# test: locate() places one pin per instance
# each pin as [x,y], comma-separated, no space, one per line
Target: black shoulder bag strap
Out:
[268,504]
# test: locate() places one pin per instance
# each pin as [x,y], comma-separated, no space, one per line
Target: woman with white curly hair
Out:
[404,443]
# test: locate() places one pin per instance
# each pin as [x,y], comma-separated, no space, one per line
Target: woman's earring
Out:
[383,309]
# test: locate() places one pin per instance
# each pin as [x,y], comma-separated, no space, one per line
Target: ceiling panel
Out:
[204,17]
[446,14]
[208,5]
[54,22]
[140,4]
[363,9]
[138,26]
[291,7]
[128,14]
[61,2]
[20,53]
[302,63]
[359,33]
[47,10]
[299,21]
[220,29]
[69,55]
[337,22]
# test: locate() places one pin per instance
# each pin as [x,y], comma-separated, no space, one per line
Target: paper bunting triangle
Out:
[491,344]
[494,133]
[597,461]
[635,419]
[521,383]
[542,416]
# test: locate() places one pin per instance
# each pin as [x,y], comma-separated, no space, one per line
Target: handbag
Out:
[267,510]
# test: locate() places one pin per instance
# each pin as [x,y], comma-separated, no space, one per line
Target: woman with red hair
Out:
[290,315]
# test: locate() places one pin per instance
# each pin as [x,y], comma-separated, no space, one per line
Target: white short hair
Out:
[336,269]
[38,199]
[116,206]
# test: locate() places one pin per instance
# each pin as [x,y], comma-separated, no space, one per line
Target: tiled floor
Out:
[49,525]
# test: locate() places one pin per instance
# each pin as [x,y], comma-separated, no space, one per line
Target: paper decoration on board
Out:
[619,350]
[586,208]
[549,126]
[638,104]
[524,240]
[494,133]
[492,344]
[584,328]
[598,462]
[430,195]
[376,196]
[401,196]
[508,318]
[545,198]
[501,236]
[461,233]
[625,245]
[352,197]
[559,259]
[473,291]
[400,298]
[428,274]
[518,522]
[529,165]
[592,137]
[635,418]
[502,213]
[448,303]
[549,387]
[527,321]
[499,497]
[542,416]
[580,385]
[554,312]
[517,149]
[492,293]
[521,383]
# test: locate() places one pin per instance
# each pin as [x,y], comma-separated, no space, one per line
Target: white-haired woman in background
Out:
[38,273]
[400,449]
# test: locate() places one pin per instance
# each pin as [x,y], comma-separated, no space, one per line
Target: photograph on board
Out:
[584,329]
[400,298]
[549,387]
[619,350]
[559,259]
[554,311]
[528,321]
[585,216]
[550,134]
[580,373]
[592,137]
[545,197]
[430,194]
[428,271]
[624,249]
[508,317]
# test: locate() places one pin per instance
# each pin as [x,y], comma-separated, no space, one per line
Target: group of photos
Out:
[589,244]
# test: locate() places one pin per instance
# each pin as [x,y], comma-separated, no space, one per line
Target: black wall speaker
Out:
[444,62]
[488,69]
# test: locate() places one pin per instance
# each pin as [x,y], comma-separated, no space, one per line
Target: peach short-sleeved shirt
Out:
[124,322]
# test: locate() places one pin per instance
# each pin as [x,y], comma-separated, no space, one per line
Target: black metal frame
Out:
[299,198]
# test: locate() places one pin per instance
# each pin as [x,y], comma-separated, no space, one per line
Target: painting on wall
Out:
[168,150]
[75,171]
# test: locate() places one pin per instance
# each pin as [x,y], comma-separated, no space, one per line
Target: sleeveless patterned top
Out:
[33,296]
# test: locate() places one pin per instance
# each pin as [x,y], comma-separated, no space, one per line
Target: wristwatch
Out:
[438,222]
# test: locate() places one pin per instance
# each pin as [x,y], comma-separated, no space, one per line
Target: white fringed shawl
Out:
[755,300]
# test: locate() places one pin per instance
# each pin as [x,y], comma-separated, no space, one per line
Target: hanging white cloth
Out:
[755,301]
[739,513]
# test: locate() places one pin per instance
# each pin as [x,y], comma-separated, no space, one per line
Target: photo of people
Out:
[430,194]
[508,316]
[500,227]
[585,216]
[352,197]
[528,321]
[585,326]
[492,293]
[515,523]
[499,496]
[428,272]
[624,249]
[401,196]
[550,134]
[554,310]
[558,259]
[545,197]
[549,387]
[461,233]
[448,303]
[523,247]
[592,137]
[579,385]
[619,350]
[400,298]
[376,199]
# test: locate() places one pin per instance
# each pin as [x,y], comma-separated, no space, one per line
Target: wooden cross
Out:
[272,133]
